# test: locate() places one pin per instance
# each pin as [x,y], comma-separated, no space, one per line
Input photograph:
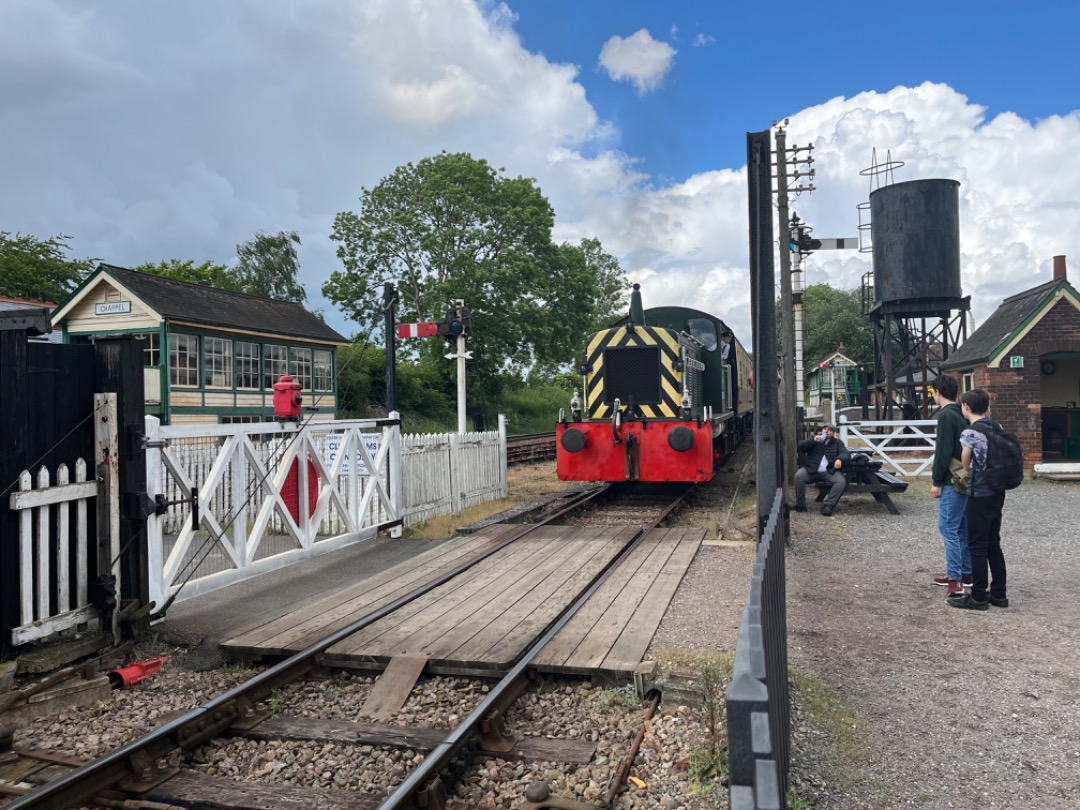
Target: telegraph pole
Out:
[790,291]
[787,336]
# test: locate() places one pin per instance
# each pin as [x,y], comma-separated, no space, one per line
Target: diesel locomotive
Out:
[663,399]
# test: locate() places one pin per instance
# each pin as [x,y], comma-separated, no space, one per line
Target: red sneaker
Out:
[942,581]
[967,581]
[955,588]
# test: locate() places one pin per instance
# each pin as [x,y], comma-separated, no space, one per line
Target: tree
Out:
[39,269]
[832,317]
[451,226]
[211,275]
[268,266]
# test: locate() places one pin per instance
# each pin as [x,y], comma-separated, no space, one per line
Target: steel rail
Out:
[440,756]
[218,714]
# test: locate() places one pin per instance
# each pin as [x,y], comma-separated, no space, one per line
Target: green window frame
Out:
[323,370]
[184,361]
[300,366]
[217,362]
[247,366]
[275,363]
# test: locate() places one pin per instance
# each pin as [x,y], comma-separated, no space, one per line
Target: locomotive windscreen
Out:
[632,372]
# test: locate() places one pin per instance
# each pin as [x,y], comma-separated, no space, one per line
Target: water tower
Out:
[915,304]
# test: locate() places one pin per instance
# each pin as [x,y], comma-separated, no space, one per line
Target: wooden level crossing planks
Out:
[488,622]
[613,631]
[411,629]
[483,621]
[302,628]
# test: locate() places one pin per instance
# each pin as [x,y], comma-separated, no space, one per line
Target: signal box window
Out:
[184,360]
[324,371]
[151,348]
[300,366]
[275,363]
[247,365]
[704,331]
[217,362]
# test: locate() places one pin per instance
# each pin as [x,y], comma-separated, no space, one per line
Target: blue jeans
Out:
[952,522]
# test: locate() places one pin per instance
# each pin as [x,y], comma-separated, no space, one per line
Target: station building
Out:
[1027,355]
[211,355]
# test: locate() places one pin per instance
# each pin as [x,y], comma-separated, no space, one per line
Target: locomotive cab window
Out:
[704,331]
[632,371]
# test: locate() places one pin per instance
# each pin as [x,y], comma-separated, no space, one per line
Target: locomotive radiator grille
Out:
[639,363]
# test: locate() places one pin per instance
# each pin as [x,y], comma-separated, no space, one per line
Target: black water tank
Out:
[915,227]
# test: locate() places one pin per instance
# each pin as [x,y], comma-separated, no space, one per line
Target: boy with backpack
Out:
[995,463]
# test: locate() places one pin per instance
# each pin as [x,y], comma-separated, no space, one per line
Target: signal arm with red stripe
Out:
[424,329]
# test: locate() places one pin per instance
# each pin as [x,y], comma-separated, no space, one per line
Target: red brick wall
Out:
[1015,392]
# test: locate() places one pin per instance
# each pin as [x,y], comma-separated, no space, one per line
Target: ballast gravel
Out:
[607,716]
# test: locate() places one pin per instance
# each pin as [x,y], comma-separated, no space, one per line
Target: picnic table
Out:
[866,475]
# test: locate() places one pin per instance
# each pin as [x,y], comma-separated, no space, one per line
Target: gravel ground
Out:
[910,703]
[607,716]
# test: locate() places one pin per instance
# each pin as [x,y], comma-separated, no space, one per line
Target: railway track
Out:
[153,771]
[529,447]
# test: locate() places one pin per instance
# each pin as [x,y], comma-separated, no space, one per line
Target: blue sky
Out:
[148,132]
[733,74]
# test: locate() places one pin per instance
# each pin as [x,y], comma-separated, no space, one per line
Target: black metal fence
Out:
[758,705]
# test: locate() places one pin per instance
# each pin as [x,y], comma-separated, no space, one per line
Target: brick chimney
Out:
[1059,269]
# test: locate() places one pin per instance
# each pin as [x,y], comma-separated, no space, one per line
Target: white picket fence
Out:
[905,448]
[54,553]
[271,494]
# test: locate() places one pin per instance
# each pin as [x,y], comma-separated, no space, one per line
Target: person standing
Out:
[727,356]
[824,455]
[983,509]
[952,504]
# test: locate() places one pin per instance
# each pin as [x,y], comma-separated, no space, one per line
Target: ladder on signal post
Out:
[845,243]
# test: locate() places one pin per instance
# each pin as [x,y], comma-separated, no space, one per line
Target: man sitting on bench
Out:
[823,456]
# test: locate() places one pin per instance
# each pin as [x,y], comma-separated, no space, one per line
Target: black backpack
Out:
[1004,457]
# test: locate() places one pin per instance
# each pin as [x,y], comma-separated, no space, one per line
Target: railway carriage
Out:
[660,403]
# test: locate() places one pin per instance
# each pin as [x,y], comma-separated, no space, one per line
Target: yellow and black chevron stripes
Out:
[597,396]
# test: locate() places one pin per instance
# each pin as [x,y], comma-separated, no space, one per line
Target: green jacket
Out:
[950,423]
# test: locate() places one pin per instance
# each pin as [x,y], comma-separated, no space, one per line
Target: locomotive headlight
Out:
[575,407]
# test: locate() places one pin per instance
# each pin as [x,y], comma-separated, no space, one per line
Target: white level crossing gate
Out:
[269,494]
[272,494]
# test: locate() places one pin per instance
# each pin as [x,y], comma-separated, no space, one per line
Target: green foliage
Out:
[710,761]
[207,273]
[277,702]
[832,317]
[530,409]
[39,269]
[269,266]
[452,226]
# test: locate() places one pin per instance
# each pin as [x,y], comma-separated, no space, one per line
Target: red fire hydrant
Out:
[287,398]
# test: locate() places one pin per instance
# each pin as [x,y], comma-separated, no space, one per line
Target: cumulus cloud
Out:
[252,117]
[639,59]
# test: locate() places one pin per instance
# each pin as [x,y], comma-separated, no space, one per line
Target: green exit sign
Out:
[1016,362]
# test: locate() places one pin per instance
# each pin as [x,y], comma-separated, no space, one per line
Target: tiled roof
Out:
[196,303]
[1010,316]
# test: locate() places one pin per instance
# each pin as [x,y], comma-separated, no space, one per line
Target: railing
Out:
[53,553]
[758,703]
[272,494]
[906,447]
[444,473]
